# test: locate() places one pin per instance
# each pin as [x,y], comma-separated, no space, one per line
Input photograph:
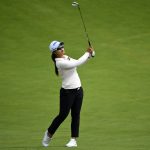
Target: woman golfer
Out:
[71,92]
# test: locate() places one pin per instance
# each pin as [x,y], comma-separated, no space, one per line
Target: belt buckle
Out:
[78,88]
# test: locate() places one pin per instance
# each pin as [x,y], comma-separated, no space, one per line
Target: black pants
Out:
[70,99]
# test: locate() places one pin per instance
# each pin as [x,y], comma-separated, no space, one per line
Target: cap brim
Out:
[61,45]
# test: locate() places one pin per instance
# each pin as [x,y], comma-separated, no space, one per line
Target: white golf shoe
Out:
[46,139]
[72,143]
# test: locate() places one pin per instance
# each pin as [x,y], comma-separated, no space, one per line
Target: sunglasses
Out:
[59,48]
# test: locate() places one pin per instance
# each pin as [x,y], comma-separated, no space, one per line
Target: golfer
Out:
[71,92]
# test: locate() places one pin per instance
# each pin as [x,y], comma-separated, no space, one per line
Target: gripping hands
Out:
[91,51]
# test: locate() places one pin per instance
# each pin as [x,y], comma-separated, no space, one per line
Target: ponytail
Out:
[53,58]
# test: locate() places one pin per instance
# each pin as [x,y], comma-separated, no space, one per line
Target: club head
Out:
[75,4]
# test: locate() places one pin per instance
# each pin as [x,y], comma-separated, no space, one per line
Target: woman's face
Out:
[60,52]
[63,50]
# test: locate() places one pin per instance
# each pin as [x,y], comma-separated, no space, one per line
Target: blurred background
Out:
[115,113]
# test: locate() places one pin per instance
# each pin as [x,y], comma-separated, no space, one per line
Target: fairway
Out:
[116,109]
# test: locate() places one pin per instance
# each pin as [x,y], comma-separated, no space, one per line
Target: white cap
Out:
[54,45]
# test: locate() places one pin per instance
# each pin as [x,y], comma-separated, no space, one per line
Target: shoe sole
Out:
[71,146]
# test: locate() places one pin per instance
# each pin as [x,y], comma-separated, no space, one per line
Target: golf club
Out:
[75,4]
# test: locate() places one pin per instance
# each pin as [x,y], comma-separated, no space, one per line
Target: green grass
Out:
[115,113]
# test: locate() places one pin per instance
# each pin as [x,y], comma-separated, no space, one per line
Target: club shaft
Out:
[84,27]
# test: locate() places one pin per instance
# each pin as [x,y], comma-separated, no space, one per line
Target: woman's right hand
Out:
[91,51]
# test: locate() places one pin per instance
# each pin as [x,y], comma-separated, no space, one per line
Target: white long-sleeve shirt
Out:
[67,68]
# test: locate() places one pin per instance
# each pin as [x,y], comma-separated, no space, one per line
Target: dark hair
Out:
[53,58]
